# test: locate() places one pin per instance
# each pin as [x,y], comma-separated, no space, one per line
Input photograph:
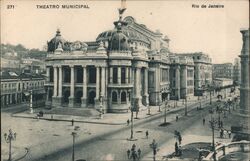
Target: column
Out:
[16,98]
[131,75]
[97,98]
[103,81]
[55,81]
[137,84]
[111,74]
[60,82]
[47,74]
[177,78]
[72,86]
[84,87]
[145,95]
[126,72]
[119,75]
[183,80]
[97,83]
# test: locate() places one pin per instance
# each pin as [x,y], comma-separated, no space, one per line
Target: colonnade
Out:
[103,78]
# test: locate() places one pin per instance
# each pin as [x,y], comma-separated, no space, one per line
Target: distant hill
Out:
[19,51]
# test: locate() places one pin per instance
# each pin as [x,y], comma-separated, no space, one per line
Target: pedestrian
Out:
[72,122]
[197,108]
[147,134]
[177,118]
[229,134]
[139,152]
[204,121]
[176,148]
[128,122]
[51,117]
[180,139]
[128,153]
[221,133]
[225,133]
[133,147]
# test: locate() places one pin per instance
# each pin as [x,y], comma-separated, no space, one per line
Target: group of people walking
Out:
[224,133]
[133,153]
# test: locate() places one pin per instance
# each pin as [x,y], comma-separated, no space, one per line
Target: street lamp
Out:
[213,123]
[153,145]
[73,148]
[31,101]
[8,138]
[165,112]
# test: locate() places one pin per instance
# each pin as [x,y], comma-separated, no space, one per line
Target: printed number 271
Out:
[10,6]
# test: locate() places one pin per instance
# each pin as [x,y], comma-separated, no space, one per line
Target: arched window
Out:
[123,97]
[114,97]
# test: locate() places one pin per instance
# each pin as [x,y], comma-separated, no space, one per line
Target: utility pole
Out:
[73,148]
[132,124]
[213,123]
[31,101]
[165,113]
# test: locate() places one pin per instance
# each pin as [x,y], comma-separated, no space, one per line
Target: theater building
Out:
[128,64]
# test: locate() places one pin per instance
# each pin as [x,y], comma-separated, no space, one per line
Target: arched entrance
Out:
[164,96]
[66,95]
[91,97]
[50,93]
[78,96]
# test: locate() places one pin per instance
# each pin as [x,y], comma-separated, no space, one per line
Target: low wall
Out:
[222,150]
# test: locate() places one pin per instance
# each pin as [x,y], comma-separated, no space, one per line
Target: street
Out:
[108,141]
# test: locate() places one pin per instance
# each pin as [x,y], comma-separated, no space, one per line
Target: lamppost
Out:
[31,101]
[73,148]
[153,145]
[133,108]
[213,123]
[8,138]
[165,112]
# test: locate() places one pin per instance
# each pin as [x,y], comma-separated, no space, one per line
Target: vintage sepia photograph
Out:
[125,80]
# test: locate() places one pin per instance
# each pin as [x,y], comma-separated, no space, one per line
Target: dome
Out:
[53,43]
[118,42]
[129,33]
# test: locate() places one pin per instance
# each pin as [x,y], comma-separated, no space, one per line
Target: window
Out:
[92,75]
[114,97]
[115,75]
[123,97]
[123,75]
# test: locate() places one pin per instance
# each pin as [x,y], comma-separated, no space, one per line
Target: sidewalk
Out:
[16,153]
[107,118]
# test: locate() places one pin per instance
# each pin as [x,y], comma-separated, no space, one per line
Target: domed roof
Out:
[53,43]
[118,42]
[128,32]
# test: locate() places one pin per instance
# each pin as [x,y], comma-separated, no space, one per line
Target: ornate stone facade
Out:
[128,63]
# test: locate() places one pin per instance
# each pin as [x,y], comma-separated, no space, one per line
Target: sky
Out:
[215,31]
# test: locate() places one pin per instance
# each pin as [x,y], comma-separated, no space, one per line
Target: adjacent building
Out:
[16,88]
[225,70]
[245,82]
[126,65]
[202,71]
